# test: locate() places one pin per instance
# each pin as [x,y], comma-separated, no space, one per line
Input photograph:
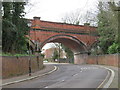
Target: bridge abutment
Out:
[80,58]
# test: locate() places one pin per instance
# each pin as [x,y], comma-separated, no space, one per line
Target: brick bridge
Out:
[79,38]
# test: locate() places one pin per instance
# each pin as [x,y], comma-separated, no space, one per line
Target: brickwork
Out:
[14,66]
[111,60]
[44,35]
[43,30]
[79,38]
[80,58]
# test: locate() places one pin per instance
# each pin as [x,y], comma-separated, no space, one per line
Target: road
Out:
[67,76]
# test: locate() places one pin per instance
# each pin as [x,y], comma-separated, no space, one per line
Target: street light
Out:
[29,25]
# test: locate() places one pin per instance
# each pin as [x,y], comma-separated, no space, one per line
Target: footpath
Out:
[49,68]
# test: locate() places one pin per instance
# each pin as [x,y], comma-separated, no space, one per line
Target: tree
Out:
[114,48]
[72,18]
[78,18]
[107,26]
[9,29]
[55,55]
[8,36]
[68,51]
[58,45]
[14,27]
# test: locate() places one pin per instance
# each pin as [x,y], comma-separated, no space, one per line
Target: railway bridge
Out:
[79,38]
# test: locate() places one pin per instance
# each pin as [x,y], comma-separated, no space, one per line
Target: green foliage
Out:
[55,55]
[107,27]
[68,51]
[8,36]
[42,55]
[14,28]
[114,48]
[9,54]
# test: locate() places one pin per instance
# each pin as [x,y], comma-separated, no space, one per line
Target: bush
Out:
[114,48]
[9,54]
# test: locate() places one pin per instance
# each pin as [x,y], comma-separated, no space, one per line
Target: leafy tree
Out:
[55,55]
[8,36]
[14,27]
[114,48]
[59,46]
[107,26]
[68,51]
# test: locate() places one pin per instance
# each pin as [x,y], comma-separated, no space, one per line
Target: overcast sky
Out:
[55,10]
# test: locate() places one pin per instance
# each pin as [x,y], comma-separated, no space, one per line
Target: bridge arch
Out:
[78,47]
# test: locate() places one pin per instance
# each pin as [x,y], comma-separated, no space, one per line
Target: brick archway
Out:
[77,46]
[79,38]
[57,38]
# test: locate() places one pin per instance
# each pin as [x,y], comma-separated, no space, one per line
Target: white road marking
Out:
[75,74]
[29,78]
[46,87]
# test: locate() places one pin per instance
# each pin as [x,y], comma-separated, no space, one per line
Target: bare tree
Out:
[90,18]
[78,17]
[31,6]
[72,18]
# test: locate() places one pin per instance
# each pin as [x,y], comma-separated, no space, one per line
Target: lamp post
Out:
[29,25]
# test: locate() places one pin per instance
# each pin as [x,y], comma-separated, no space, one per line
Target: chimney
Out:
[36,18]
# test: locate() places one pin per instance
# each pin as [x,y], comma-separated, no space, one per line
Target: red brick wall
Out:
[13,66]
[44,35]
[54,26]
[111,59]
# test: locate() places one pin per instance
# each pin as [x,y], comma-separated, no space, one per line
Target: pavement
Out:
[49,68]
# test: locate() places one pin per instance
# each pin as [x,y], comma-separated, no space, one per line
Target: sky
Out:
[55,10]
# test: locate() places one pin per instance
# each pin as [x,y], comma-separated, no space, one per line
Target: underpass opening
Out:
[57,52]
[78,48]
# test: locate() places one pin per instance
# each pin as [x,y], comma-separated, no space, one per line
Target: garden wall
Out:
[14,66]
[110,59]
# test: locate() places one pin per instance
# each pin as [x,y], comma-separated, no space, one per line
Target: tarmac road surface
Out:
[67,76]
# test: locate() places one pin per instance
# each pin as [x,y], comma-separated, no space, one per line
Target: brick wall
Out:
[111,59]
[49,29]
[14,66]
